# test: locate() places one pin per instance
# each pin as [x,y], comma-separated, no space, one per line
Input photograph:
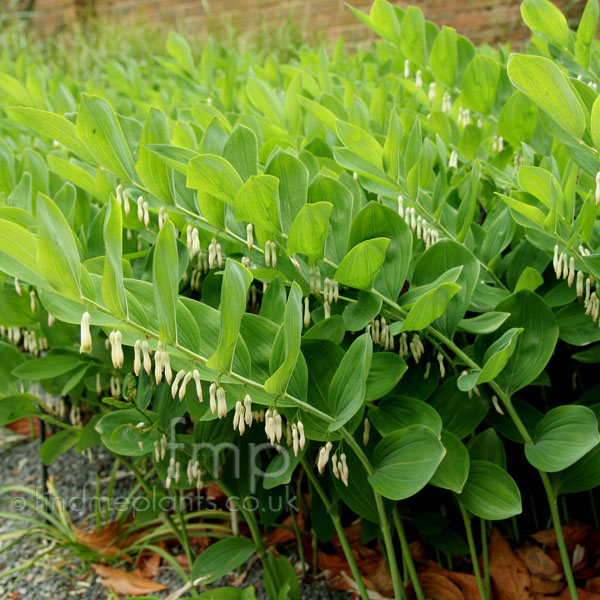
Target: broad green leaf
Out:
[100,131]
[563,436]
[404,461]
[221,558]
[487,445]
[386,371]
[360,142]
[544,17]
[430,306]
[153,171]
[534,346]
[293,185]
[292,332]
[397,412]
[57,255]
[113,292]
[58,443]
[165,278]
[542,81]
[485,323]
[234,292]
[16,407]
[533,215]
[46,367]
[444,56]
[19,247]
[378,221]
[595,123]
[348,387]
[241,150]
[266,100]
[362,263]
[319,112]
[413,42]
[586,32]
[309,230]
[479,84]
[213,175]
[179,48]
[518,119]
[453,470]
[359,314]
[490,492]
[582,476]
[530,279]
[50,125]
[176,157]
[257,201]
[460,413]
[498,354]
[438,260]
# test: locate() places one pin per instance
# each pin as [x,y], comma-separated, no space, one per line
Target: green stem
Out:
[399,591]
[335,517]
[472,551]
[176,498]
[486,558]
[408,561]
[560,539]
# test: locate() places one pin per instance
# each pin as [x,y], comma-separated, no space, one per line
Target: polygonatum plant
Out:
[387,260]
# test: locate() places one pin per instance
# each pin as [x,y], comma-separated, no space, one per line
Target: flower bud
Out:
[212,392]
[366,431]
[137,357]
[86,336]
[175,386]
[249,236]
[183,387]
[198,383]
[406,69]
[306,313]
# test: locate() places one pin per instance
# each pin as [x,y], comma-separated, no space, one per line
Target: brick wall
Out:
[480,20]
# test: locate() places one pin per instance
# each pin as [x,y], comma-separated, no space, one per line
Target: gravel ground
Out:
[74,475]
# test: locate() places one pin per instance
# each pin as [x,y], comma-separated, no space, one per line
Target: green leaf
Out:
[378,221]
[265,99]
[487,445]
[99,129]
[234,292]
[582,476]
[586,33]
[360,142]
[241,150]
[153,171]
[444,56]
[438,260]
[541,80]
[386,371]
[309,230]
[349,384]
[484,323]
[165,277]
[563,436]
[544,17]
[360,266]
[490,492]
[16,407]
[213,175]
[292,333]
[398,412]
[479,84]
[413,42]
[222,558]
[430,306]
[50,125]
[498,354]
[518,119]
[357,315]
[453,471]
[176,157]
[534,346]
[530,279]
[57,255]
[46,367]
[113,292]
[257,202]
[595,124]
[58,443]
[532,214]
[404,461]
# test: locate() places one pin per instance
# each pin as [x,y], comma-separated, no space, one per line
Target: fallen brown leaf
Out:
[283,535]
[537,561]
[104,541]
[541,585]
[129,583]
[593,585]
[565,595]
[466,582]
[150,566]
[509,575]
[418,551]
[573,534]
[438,587]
